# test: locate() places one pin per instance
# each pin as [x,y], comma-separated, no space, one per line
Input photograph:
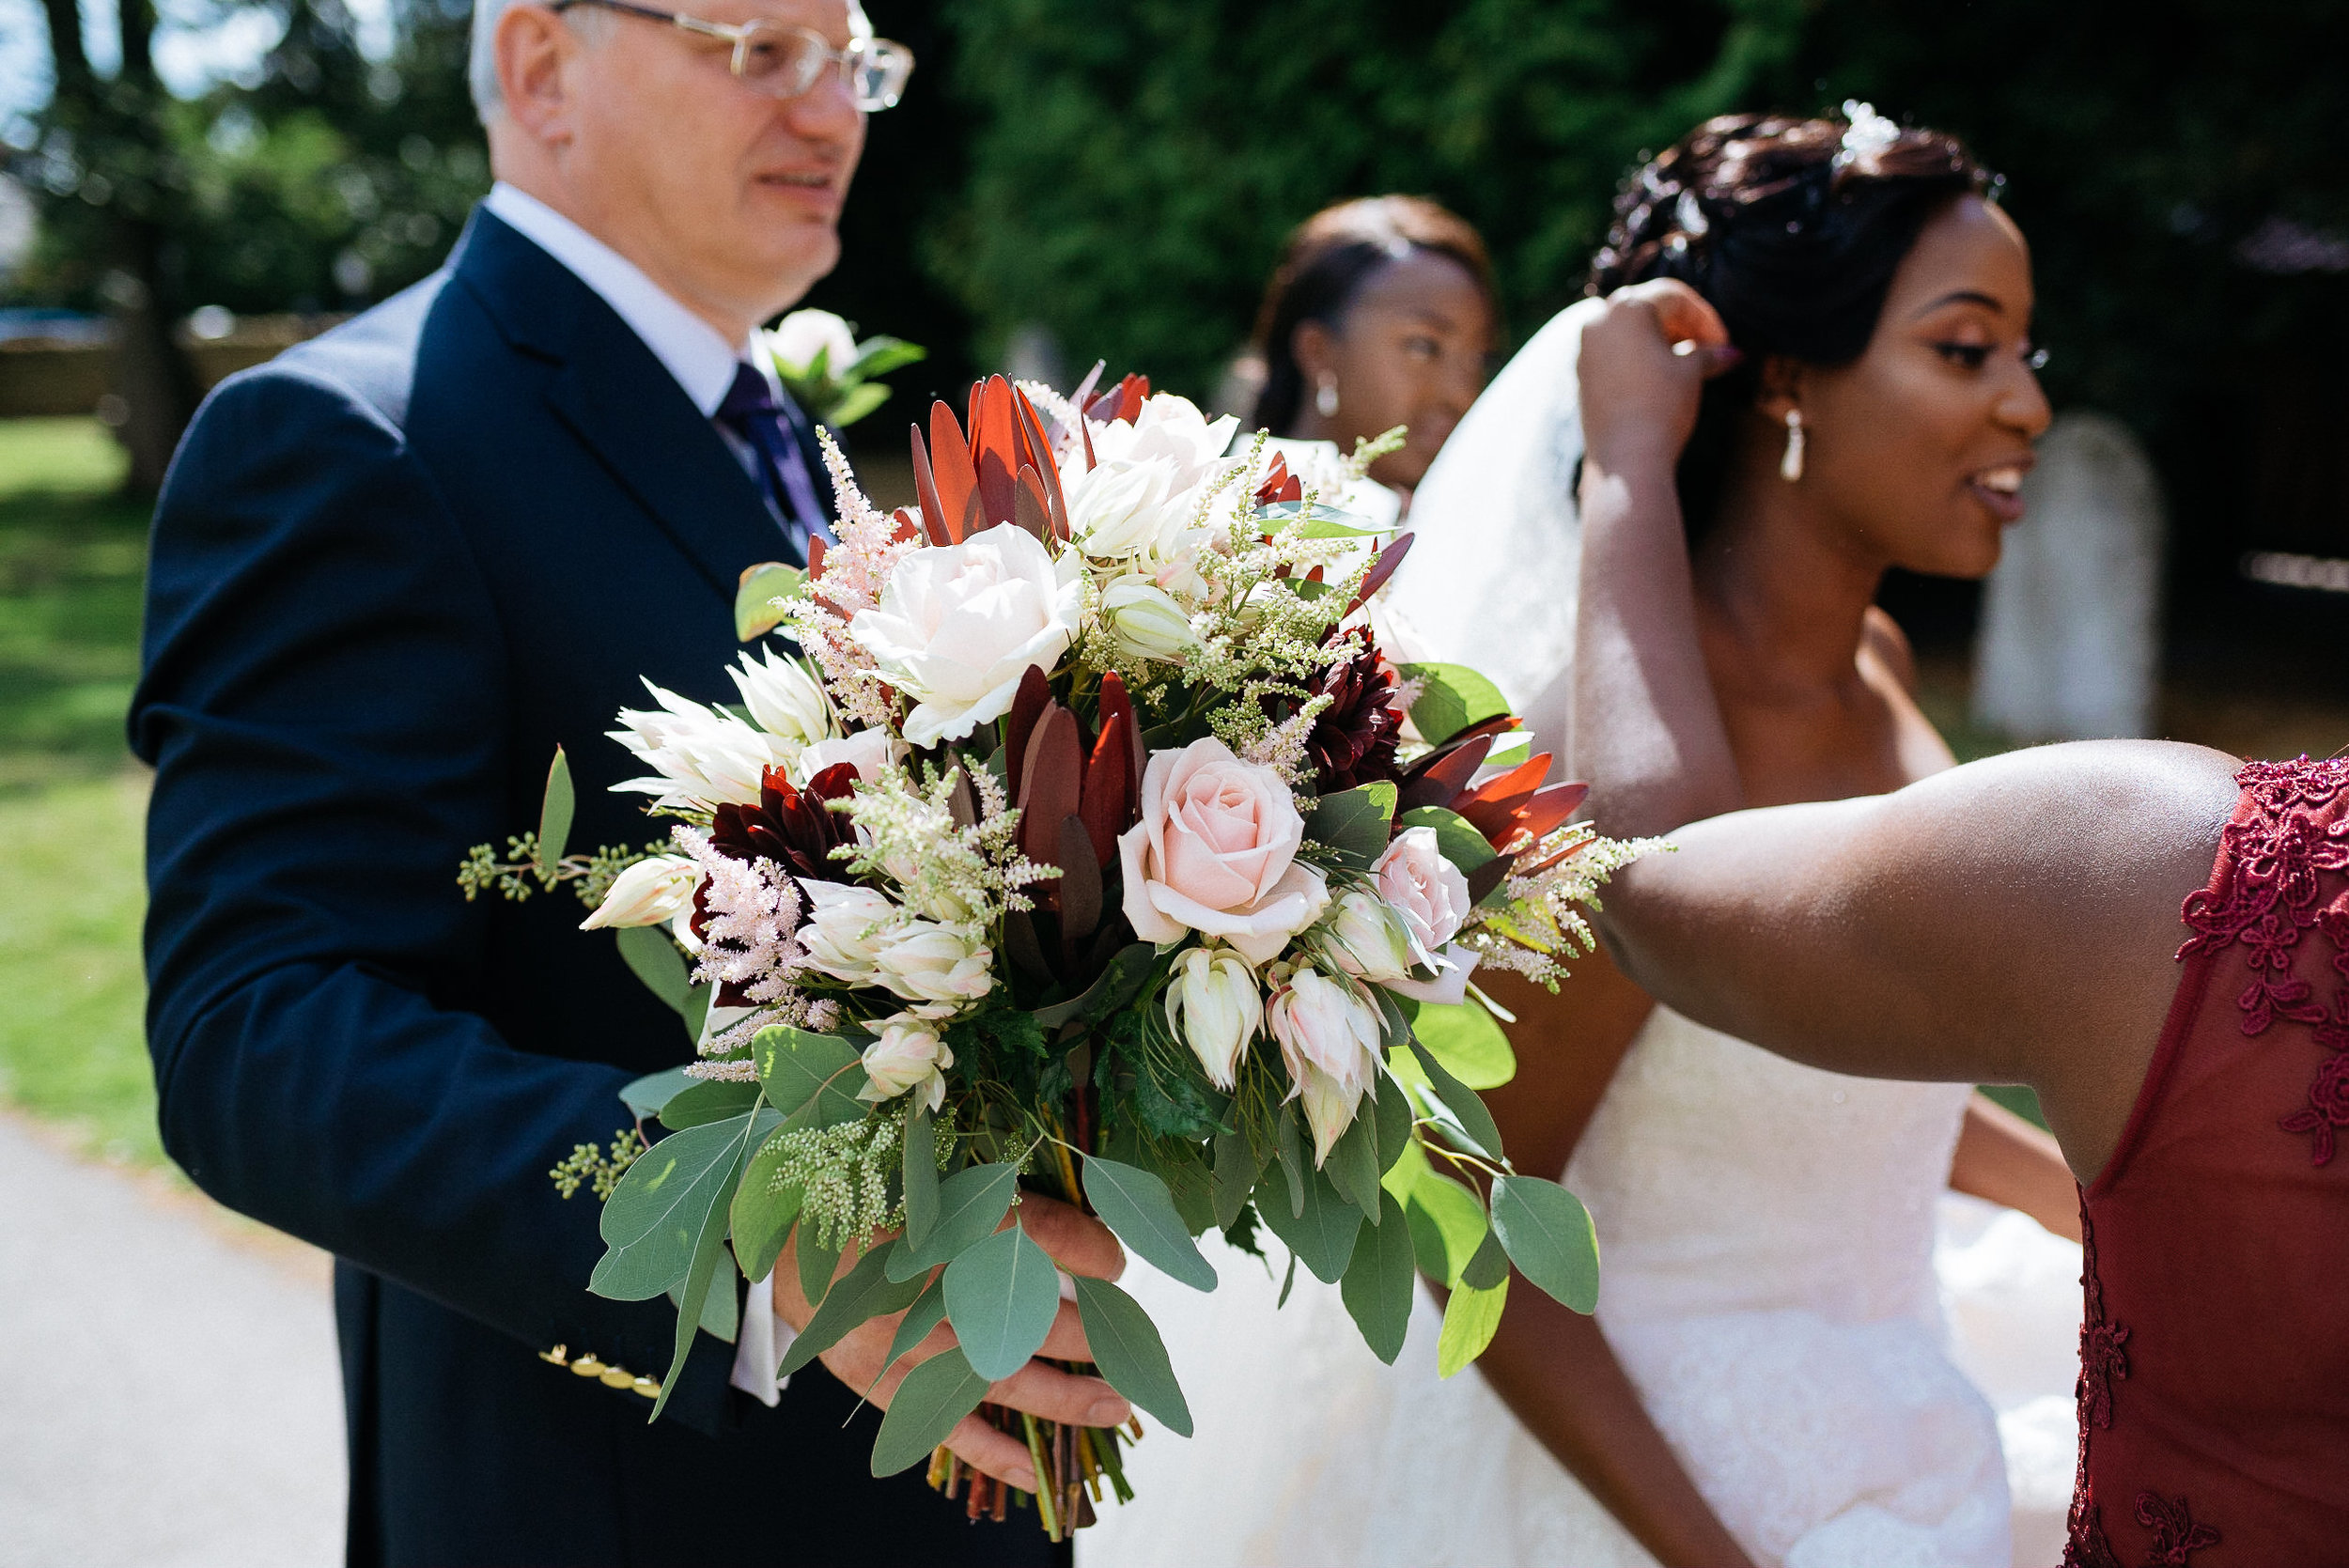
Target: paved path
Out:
[169,1396]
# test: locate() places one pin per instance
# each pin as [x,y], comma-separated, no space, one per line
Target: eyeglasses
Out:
[785,62]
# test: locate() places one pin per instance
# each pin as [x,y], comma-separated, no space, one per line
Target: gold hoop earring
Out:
[1326,398]
[1790,466]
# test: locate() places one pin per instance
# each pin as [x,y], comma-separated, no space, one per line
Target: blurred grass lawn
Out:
[73,552]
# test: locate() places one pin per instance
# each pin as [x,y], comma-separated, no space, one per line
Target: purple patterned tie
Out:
[752,412]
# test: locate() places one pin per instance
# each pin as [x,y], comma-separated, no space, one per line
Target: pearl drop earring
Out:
[1790,466]
[1326,398]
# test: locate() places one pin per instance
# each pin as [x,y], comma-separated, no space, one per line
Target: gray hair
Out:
[481,59]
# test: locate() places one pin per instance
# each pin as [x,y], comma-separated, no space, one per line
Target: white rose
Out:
[1329,1034]
[1367,940]
[958,625]
[1171,429]
[1122,509]
[870,752]
[656,889]
[940,968]
[699,756]
[1213,1006]
[1423,887]
[1215,852]
[1144,620]
[799,336]
[846,927]
[782,698]
[908,1055]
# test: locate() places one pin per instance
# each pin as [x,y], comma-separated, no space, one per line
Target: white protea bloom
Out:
[939,967]
[909,1054]
[846,927]
[656,889]
[1214,1006]
[784,698]
[1367,939]
[1329,1034]
[799,336]
[699,756]
[1143,619]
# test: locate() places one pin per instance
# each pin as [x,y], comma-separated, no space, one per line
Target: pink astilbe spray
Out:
[749,911]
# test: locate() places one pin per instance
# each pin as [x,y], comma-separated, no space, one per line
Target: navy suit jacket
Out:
[392,570]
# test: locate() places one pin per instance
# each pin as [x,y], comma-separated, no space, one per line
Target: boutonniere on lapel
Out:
[828,372]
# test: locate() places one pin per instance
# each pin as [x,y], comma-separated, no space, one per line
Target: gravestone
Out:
[2070,637]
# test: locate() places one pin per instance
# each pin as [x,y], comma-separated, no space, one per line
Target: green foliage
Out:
[1467,1040]
[864,1292]
[1323,1236]
[654,1222]
[1002,1296]
[1470,1319]
[808,1076]
[1354,823]
[1379,1282]
[1450,698]
[1549,1236]
[1139,1208]
[934,1396]
[971,1204]
[1136,167]
[592,1167]
[1128,1352]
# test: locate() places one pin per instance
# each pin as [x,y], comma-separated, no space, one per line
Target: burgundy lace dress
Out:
[2214,1390]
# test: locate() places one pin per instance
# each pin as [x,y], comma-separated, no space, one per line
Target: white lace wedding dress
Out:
[1768,1237]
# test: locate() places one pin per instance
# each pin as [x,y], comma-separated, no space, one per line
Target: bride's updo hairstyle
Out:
[1792,229]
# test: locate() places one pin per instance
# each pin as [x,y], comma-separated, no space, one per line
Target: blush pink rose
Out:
[1215,852]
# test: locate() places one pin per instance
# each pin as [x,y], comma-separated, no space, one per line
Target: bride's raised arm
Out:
[2014,919]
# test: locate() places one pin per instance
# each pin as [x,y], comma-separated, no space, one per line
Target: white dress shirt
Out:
[695,354]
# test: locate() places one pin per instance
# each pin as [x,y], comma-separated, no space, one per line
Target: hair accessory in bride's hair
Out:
[1868,131]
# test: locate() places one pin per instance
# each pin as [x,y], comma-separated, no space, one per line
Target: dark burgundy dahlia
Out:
[792,827]
[1353,739]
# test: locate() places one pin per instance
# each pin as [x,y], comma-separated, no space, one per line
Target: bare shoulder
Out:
[1881,637]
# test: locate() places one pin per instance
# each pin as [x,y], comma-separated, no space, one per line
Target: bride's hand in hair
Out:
[1646,355]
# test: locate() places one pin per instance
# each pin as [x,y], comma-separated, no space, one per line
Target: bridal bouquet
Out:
[1090,845]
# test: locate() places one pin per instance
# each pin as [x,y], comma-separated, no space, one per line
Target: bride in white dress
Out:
[1769,1285]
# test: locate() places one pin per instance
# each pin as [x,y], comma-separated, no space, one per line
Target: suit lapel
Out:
[624,406]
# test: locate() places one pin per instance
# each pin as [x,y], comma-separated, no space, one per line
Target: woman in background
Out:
[1380,313]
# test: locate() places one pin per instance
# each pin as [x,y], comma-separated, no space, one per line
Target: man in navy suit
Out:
[391,572]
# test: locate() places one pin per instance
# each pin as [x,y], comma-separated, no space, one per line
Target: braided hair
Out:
[1792,229]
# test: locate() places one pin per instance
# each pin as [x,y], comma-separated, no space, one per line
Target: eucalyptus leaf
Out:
[644,1096]
[1353,822]
[920,1175]
[1234,1176]
[1291,1152]
[1448,1225]
[1450,698]
[707,1100]
[696,1009]
[710,1250]
[1002,1296]
[1488,1265]
[654,959]
[754,594]
[934,1396]
[1322,1236]
[855,403]
[1117,984]
[760,1216]
[1468,1111]
[1468,1041]
[1353,1164]
[1379,1282]
[927,1312]
[812,1079]
[1130,1352]
[817,1264]
[862,1294]
[1390,1121]
[1549,1238]
[722,1309]
[1137,1206]
[556,811]
[971,1202]
[1288,1283]
[656,1215]
[1470,1319]
[1457,838]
